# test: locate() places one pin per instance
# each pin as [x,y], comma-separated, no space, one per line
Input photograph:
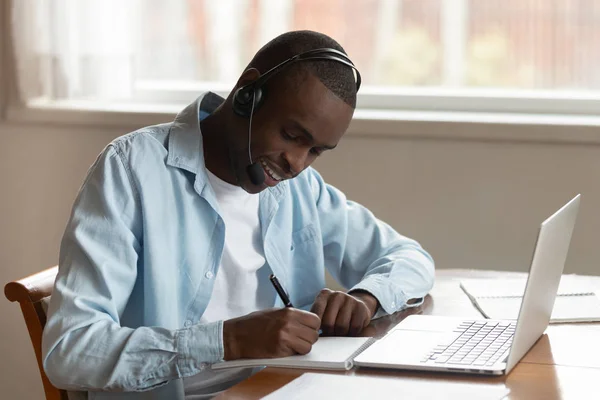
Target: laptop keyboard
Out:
[476,343]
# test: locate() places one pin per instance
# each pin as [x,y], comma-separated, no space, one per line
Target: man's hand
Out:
[344,314]
[270,333]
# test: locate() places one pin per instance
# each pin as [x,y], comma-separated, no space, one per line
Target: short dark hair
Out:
[337,77]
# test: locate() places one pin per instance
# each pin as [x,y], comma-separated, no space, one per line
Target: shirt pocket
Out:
[303,237]
[305,249]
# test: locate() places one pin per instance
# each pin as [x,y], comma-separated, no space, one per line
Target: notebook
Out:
[329,353]
[331,386]
[576,300]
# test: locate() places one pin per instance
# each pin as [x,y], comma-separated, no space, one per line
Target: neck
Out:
[215,133]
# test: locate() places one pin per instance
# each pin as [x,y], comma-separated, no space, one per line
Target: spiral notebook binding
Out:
[362,348]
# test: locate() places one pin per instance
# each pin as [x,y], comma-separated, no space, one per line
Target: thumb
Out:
[319,305]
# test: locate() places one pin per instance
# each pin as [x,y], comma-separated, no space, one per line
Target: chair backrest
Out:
[33,294]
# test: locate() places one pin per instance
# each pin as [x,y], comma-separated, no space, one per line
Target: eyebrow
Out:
[308,135]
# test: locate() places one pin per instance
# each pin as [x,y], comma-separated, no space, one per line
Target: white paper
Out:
[569,285]
[576,300]
[566,309]
[315,386]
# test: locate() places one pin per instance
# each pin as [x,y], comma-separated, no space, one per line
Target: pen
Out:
[282,294]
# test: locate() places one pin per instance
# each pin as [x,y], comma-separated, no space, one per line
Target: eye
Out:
[287,136]
[316,151]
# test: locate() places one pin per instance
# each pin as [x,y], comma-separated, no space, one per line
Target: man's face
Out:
[289,131]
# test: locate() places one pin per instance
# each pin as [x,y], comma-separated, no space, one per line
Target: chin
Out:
[250,187]
[253,189]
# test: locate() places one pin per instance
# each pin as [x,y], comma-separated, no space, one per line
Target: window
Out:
[490,55]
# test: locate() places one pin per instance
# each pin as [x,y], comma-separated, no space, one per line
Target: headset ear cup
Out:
[242,100]
[259,95]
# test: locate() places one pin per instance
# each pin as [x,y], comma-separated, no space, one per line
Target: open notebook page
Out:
[566,308]
[576,300]
[569,285]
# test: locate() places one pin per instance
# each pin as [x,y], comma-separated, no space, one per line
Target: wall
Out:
[472,204]
[40,172]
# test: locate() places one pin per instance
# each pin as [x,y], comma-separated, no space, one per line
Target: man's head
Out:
[306,110]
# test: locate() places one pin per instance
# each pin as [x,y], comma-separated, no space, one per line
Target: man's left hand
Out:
[344,314]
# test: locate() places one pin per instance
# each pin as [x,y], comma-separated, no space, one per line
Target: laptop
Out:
[485,347]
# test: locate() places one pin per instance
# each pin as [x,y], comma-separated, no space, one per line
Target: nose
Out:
[296,160]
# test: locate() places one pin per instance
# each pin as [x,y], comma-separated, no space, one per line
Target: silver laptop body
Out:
[490,347]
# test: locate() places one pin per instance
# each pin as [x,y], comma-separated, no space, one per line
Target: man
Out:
[165,261]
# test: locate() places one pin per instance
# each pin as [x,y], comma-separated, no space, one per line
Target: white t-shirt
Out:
[242,283]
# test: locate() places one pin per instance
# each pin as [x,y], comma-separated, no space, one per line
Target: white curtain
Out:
[75,49]
[113,50]
[161,50]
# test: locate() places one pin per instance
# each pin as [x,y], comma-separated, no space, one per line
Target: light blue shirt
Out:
[143,244]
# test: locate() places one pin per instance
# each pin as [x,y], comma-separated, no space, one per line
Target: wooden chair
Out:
[33,294]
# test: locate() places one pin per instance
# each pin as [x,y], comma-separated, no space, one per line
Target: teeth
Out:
[271,173]
[274,174]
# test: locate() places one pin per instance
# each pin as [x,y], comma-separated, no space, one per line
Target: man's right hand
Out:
[270,333]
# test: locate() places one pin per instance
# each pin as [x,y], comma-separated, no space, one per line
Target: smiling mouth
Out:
[270,172]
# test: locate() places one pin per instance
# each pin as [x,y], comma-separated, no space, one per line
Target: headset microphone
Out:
[256,173]
[254,170]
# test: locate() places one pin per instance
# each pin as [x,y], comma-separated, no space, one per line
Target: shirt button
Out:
[208,275]
[393,304]
[187,323]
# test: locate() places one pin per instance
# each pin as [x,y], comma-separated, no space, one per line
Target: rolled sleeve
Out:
[199,346]
[391,298]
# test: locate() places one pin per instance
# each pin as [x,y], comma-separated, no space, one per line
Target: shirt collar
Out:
[185,139]
[186,149]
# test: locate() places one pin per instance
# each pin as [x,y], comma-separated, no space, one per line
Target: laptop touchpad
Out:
[401,347]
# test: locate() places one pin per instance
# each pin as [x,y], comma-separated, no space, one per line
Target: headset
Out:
[248,98]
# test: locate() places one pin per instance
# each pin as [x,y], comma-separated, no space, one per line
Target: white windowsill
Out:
[445,125]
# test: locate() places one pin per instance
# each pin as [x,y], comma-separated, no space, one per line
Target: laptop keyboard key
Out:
[478,343]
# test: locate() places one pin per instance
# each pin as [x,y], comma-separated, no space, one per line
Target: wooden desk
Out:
[563,364]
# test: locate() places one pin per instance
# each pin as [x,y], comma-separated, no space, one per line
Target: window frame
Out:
[433,99]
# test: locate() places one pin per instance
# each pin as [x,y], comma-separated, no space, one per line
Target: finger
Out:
[320,303]
[358,322]
[342,322]
[334,303]
[307,319]
[301,339]
[305,333]
[301,346]
[289,344]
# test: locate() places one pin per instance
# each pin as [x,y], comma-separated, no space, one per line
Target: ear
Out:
[248,76]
